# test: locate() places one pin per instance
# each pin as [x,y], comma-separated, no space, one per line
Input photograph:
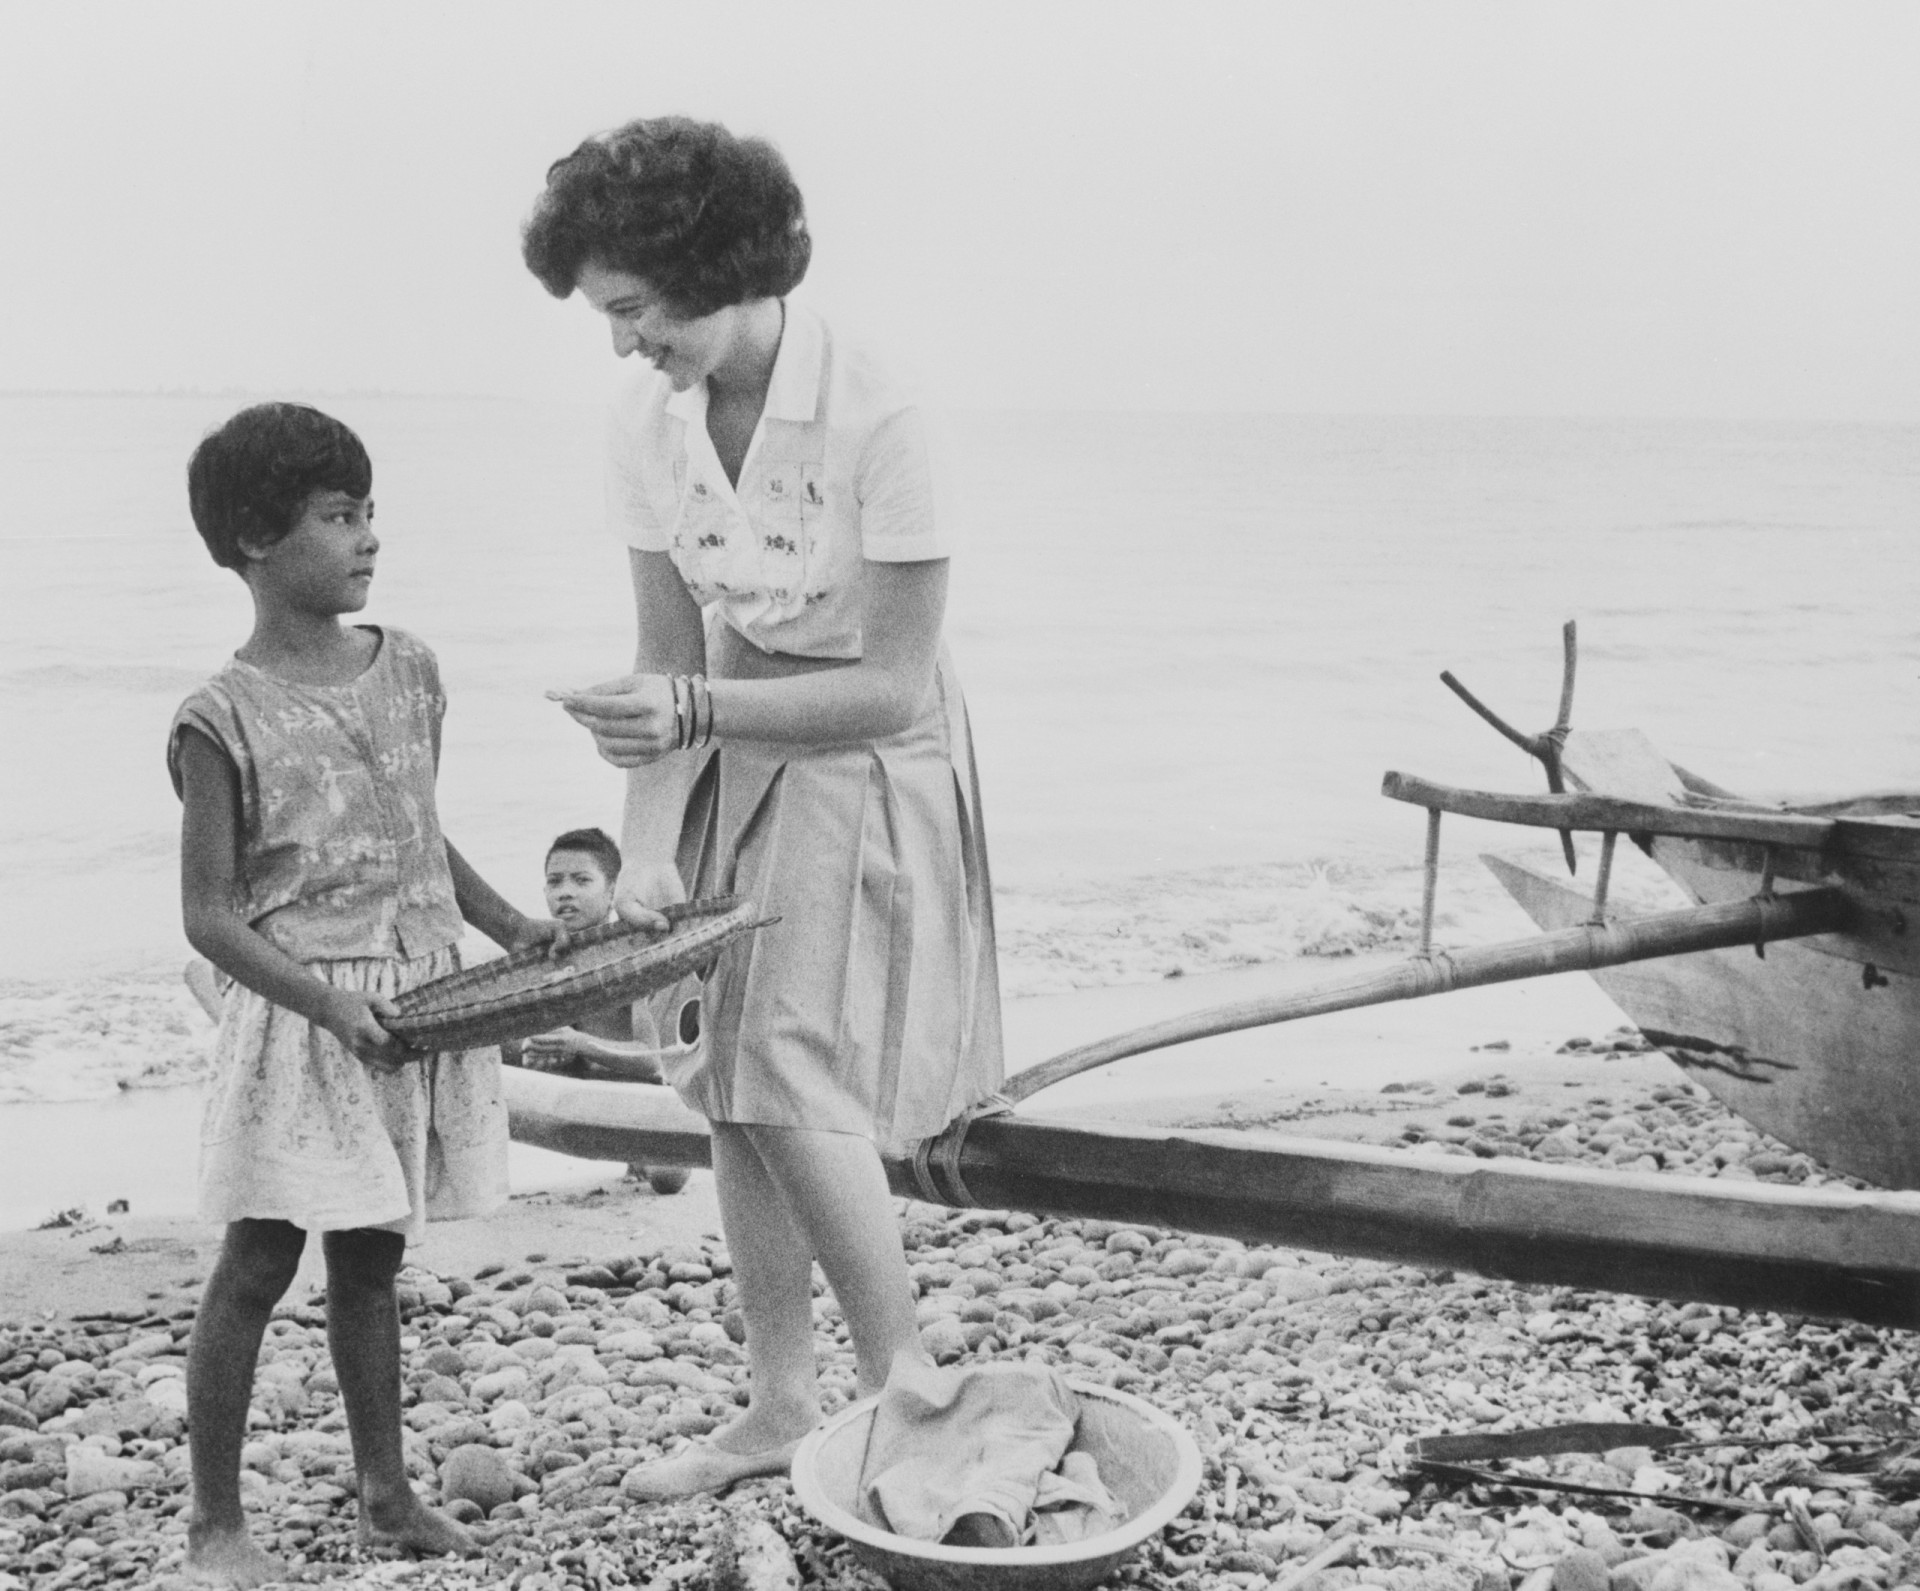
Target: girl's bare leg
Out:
[836,1189]
[257,1263]
[363,1334]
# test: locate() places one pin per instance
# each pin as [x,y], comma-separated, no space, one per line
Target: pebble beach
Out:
[534,1384]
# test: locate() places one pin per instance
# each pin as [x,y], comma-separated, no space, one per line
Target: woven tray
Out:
[527,992]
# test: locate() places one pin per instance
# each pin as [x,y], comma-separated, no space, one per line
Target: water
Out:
[1191,646]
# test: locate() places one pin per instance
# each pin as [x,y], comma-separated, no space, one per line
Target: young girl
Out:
[315,875]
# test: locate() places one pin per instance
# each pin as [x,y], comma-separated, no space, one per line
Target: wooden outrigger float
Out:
[1790,989]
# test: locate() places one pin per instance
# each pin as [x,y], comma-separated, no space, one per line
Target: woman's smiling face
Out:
[686,351]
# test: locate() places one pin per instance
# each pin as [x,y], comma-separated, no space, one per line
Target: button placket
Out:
[779,531]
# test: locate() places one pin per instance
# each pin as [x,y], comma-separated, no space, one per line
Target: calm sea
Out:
[1191,646]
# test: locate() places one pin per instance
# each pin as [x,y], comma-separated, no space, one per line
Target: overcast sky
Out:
[1530,208]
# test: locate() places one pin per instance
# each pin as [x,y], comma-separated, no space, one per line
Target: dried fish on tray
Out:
[531,991]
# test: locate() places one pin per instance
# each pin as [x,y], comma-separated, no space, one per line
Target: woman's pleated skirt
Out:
[873,1006]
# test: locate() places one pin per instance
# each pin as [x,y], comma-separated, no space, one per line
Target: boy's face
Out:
[325,563]
[579,893]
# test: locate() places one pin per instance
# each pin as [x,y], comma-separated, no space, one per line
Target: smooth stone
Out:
[445,1361]
[944,1338]
[1694,1574]
[477,1474]
[503,1383]
[1582,1569]
[89,1470]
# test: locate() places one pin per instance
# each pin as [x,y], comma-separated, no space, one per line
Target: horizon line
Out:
[1613,416]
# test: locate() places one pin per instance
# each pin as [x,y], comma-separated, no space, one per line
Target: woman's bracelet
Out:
[682,696]
[702,713]
[692,712]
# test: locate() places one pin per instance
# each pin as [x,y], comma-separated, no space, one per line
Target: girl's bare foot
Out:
[409,1524]
[229,1558]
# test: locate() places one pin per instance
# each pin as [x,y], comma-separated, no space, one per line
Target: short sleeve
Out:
[423,669]
[904,514]
[212,714]
[639,479]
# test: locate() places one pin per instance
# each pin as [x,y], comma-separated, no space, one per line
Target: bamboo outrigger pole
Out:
[1716,927]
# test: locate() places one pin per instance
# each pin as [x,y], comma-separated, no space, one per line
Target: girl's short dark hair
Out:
[249,480]
[704,218]
[590,842]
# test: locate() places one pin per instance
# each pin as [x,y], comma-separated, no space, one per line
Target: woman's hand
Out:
[550,1052]
[643,890]
[631,718]
[354,1019]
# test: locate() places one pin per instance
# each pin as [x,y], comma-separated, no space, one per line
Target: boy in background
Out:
[619,1041]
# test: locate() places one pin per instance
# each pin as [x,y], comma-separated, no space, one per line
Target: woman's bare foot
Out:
[229,1558]
[764,1427]
[760,1442]
[409,1524]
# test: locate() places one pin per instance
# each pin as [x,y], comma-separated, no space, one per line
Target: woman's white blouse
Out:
[837,472]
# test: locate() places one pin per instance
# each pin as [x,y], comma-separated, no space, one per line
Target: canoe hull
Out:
[1821,1252]
[1819,1042]
[1803,1043]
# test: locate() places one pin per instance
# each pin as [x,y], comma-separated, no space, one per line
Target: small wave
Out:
[134,678]
[90,1038]
[87,1038]
[1084,934]
[29,851]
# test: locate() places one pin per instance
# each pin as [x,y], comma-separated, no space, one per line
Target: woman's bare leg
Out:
[257,1263]
[787,1194]
[837,1191]
[773,1272]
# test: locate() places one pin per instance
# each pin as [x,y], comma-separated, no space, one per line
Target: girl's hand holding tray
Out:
[358,1021]
[532,991]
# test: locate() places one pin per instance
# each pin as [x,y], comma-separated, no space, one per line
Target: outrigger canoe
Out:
[1790,988]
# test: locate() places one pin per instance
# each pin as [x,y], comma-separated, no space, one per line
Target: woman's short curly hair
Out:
[706,219]
[249,480]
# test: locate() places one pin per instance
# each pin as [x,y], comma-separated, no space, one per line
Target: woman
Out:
[767,472]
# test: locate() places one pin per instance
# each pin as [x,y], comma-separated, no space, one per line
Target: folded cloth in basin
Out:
[962,1456]
[1072,1503]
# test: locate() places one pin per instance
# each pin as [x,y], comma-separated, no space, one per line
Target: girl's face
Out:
[323,565]
[686,352]
[579,895]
